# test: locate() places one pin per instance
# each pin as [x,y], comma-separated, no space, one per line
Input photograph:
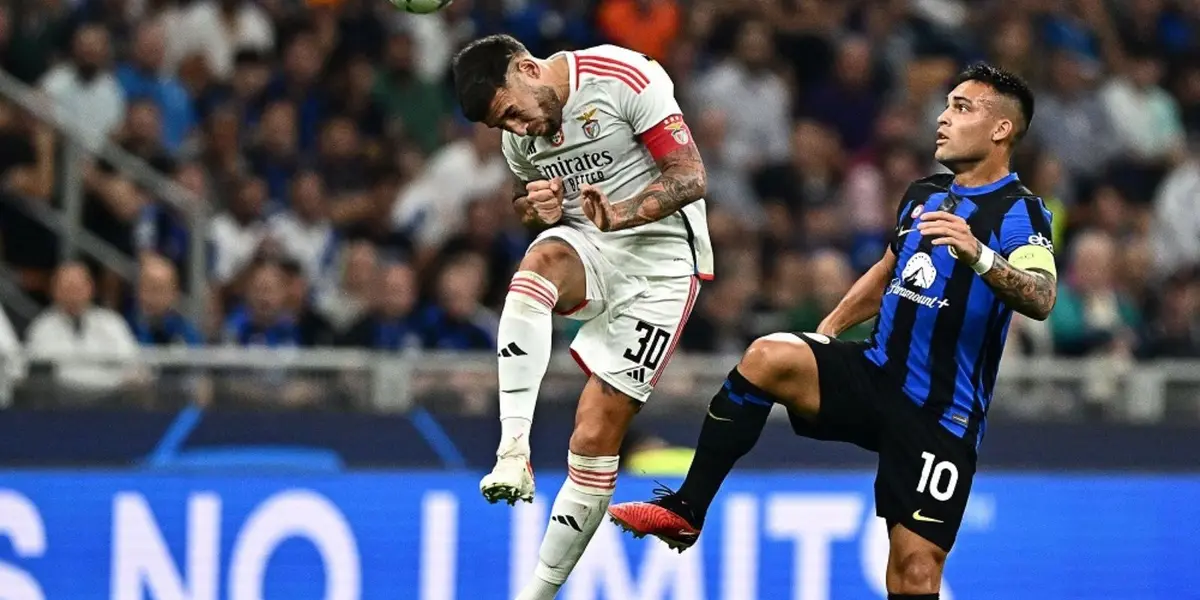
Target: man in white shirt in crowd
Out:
[303,232]
[92,347]
[86,94]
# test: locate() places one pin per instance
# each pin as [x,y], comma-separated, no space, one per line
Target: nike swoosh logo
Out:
[715,417]
[918,516]
[904,232]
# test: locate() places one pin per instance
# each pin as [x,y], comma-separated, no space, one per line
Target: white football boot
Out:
[512,477]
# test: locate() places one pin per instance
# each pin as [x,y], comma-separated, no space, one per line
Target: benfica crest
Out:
[591,126]
[679,132]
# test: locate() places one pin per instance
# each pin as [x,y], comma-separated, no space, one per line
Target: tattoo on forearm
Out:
[682,182]
[1030,292]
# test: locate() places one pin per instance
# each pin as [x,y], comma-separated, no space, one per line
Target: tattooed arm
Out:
[1026,282]
[682,182]
[1031,292]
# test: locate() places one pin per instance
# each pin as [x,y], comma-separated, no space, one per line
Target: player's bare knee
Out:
[919,572]
[552,259]
[603,415]
[770,359]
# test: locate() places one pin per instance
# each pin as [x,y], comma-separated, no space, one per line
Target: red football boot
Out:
[667,518]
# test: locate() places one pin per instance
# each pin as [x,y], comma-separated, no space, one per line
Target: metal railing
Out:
[68,222]
[1042,389]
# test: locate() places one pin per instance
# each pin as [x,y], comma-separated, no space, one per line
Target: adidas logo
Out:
[567,520]
[511,350]
[638,374]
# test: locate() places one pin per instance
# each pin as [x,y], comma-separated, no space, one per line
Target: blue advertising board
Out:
[86,535]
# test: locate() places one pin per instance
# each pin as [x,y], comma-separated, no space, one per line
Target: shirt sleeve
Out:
[904,218]
[645,94]
[516,158]
[1025,235]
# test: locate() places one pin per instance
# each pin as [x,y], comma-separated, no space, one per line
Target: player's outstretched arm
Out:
[862,300]
[683,181]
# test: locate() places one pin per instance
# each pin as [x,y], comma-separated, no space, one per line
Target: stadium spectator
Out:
[238,234]
[829,278]
[314,329]
[755,99]
[647,26]
[297,83]
[224,160]
[346,295]
[1146,118]
[264,320]
[341,159]
[1073,124]
[217,30]
[1176,220]
[1092,316]
[488,231]
[431,207]
[274,155]
[93,347]
[458,320]
[419,106]
[849,102]
[155,318]
[303,232]
[142,78]
[390,326]
[1174,331]
[86,95]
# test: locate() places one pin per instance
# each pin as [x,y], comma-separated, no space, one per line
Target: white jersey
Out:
[616,96]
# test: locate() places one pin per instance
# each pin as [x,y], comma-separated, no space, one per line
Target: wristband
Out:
[987,258]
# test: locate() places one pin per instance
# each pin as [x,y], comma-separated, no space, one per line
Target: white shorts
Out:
[631,323]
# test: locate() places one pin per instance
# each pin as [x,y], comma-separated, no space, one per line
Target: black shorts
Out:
[925,471]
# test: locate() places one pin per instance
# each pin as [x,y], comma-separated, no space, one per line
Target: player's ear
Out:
[529,68]
[1005,130]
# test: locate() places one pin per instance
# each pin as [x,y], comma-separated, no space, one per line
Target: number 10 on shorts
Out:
[940,478]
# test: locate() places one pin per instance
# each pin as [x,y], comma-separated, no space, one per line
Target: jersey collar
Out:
[983,189]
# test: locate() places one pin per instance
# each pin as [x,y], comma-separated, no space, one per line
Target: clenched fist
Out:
[546,197]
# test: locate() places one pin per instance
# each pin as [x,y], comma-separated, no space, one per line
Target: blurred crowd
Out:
[348,204]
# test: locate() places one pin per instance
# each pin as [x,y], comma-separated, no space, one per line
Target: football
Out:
[420,7]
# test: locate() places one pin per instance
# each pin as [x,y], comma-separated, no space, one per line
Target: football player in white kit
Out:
[609,175]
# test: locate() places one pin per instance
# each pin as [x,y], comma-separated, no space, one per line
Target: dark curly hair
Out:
[481,69]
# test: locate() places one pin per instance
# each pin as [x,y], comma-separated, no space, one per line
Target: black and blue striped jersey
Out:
[941,329]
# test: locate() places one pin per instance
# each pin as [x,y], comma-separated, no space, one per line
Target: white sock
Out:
[526,328]
[578,510]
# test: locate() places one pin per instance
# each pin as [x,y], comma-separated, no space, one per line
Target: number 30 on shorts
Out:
[939,477]
[650,346]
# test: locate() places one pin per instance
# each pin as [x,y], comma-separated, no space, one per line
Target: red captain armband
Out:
[670,134]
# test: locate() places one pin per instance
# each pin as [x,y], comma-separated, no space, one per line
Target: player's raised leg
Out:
[778,368]
[550,276]
[914,568]
[601,421]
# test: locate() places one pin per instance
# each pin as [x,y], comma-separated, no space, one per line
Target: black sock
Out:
[736,417]
[912,597]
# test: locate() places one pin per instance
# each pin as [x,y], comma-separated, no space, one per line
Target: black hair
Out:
[480,69]
[1006,84]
